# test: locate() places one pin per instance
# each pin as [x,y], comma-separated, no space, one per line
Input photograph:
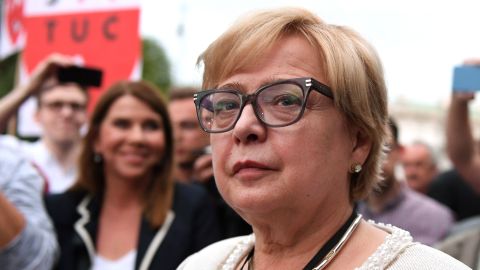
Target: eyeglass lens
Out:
[275,105]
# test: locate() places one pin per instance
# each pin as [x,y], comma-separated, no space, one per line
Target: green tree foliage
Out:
[156,67]
[7,74]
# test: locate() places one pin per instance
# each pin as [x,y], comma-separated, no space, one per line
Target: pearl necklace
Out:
[244,246]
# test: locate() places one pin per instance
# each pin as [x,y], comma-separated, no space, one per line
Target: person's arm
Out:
[27,236]
[461,146]
[44,70]
[10,103]
[12,222]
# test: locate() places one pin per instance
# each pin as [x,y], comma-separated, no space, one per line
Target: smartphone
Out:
[85,76]
[466,78]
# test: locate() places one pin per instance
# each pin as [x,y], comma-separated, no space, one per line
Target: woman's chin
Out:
[252,202]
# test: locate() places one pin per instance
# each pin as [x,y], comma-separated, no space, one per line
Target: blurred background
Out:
[419,43]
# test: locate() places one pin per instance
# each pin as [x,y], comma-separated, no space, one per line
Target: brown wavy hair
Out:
[159,192]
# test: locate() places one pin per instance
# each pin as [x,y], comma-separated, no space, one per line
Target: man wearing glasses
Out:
[61,112]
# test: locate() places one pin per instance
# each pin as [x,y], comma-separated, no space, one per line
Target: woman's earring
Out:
[356,168]
[97,158]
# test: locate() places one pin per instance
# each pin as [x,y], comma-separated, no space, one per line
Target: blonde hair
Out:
[352,66]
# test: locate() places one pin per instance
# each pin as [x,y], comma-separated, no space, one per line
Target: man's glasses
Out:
[278,104]
[57,106]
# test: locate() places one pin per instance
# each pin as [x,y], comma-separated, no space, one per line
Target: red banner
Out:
[98,33]
[108,40]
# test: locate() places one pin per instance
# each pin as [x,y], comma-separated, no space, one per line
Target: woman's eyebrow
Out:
[238,86]
[232,85]
[271,79]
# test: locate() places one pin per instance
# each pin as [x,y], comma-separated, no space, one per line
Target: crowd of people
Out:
[285,158]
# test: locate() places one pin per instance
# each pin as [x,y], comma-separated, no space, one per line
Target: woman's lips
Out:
[249,166]
[135,157]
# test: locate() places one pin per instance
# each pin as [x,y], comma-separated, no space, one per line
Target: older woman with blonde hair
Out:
[297,111]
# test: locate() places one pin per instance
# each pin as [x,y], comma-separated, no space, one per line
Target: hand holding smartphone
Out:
[466,78]
[85,76]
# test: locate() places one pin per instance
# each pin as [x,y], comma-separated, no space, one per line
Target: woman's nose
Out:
[248,127]
[136,134]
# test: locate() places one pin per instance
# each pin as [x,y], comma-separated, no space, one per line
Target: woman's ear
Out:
[361,145]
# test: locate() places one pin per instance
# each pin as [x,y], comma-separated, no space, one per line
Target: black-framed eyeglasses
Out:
[278,104]
[57,106]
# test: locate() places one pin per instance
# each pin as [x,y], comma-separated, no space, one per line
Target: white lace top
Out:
[398,252]
[395,243]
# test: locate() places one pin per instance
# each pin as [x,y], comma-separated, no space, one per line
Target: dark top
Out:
[451,190]
[194,226]
[231,224]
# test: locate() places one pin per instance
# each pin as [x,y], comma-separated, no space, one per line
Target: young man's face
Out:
[62,112]
[189,137]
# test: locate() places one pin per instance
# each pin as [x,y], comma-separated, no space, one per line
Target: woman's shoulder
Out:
[399,252]
[419,256]
[66,198]
[217,254]
[61,207]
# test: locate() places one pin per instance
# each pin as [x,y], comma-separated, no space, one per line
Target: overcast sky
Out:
[419,41]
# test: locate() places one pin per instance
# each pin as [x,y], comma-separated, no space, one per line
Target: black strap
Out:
[330,243]
[247,259]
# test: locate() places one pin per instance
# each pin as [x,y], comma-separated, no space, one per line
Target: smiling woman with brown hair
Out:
[297,111]
[124,211]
